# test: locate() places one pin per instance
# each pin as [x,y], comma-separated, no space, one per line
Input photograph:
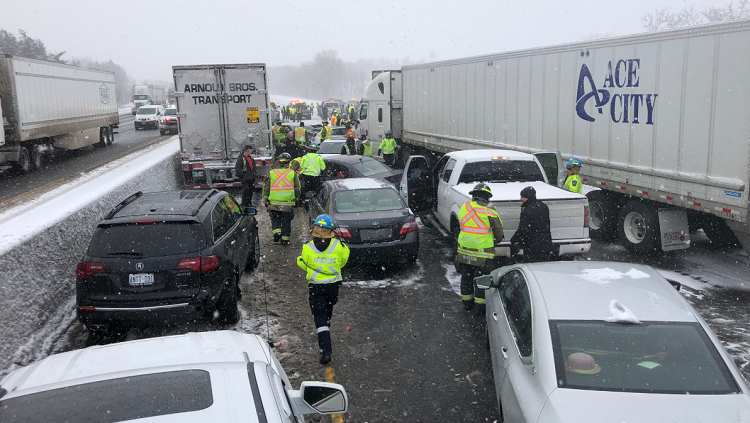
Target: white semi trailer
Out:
[659,120]
[47,105]
[146,95]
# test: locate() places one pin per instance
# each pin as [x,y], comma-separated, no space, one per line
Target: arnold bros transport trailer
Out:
[220,109]
[661,122]
[48,105]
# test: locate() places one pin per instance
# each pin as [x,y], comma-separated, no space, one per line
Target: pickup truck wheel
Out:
[602,216]
[638,227]
[455,231]
[23,165]
[227,304]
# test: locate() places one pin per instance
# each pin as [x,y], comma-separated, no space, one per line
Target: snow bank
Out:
[42,241]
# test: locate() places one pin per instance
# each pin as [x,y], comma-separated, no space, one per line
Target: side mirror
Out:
[484,282]
[250,211]
[319,398]
[676,285]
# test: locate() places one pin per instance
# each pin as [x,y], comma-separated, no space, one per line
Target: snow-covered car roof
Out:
[587,290]
[360,183]
[511,191]
[484,154]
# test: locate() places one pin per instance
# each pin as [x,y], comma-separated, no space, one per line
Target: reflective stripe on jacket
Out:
[323,267]
[325,133]
[387,146]
[574,184]
[299,134]
[312,164]
[476,232]
[282,187]
[367,149]
[276,131]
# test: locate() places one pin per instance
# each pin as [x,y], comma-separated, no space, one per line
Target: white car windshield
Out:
[651,357]
[147,111]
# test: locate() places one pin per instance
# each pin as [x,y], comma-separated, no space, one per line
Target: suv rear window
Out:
[170,112]
[114,400]
[147,240]
[501,171]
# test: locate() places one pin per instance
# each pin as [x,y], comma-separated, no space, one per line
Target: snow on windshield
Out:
[621,314]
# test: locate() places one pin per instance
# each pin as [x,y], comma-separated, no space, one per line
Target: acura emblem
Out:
[139,266]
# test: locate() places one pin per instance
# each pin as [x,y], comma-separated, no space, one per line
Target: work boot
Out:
[480,309]
[325,358]
[276,237]
[468,305]
[284,242]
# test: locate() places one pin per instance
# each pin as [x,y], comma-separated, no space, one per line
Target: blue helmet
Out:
[388,132]
[574,162]
[313,146]
[324,221]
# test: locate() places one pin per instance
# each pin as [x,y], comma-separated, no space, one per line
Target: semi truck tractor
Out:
[659,121]
[220,109]
[146,95]
[47,106]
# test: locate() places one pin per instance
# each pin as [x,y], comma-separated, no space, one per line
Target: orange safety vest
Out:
[282,187]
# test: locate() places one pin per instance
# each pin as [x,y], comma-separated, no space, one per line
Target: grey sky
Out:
[147,37]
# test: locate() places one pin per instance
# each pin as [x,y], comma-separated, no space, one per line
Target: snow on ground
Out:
[399,279]
[453,278]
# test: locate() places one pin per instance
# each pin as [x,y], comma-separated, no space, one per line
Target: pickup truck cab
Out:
[442,189]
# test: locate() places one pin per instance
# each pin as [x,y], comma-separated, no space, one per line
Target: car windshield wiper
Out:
[125,253]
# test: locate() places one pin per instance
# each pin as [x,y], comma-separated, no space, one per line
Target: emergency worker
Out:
[334,119]
[311,167]
[350,147]
[388,147]
[244,168]
[533,234]
[352,109]
[322,259]
[367,148]
[350,131]
[573,182]
[300,134]
[278,138]
[325,131]
[290,145]
[481,231]
[281,191]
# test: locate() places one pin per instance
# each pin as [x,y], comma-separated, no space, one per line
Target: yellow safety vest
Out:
[476,232]
[367,149]
[312,164]
[323,267]
[388,145]
[573,183]
[325,133]
[277,135]
[299,134]
[282,187]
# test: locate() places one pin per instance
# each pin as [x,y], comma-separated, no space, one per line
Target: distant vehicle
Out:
[337,133]
[221,376]
[169,123]
[330,106]
[302,107]
[166,257]
[592,342]
[46,106]
[219,115]
[371,217]
[148,117]
[342,167]
[147,95]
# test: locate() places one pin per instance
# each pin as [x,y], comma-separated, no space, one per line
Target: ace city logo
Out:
[619,107]
[104,94]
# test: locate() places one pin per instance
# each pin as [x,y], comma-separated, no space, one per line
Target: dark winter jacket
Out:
[244,170]
[533,234]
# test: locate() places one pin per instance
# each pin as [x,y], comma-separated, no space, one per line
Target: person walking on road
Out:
[281,191]
[533,234]
[244,168]
[573,182]
[322,259]
[388,147]
[481,231]
[311,168]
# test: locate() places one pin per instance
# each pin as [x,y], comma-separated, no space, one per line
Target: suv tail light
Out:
[586,216]
[342,233]
[86,270]
[200,264]
[409,227]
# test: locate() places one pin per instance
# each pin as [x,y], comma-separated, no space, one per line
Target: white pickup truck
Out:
[443,188]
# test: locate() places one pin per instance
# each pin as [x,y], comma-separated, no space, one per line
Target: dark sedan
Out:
[371,218]
[342,167]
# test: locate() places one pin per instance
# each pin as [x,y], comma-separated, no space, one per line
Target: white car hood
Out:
[584,406]
[511,191]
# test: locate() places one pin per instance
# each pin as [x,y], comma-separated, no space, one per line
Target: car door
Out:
[319,203]
[444,173]
[498,331]
[243,226]
[551,162]
[226,247]
[417,186]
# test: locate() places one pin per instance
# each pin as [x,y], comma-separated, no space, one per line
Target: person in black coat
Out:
[533,234]
[244,168]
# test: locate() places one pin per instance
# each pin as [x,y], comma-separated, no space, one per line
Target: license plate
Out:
[141,279]
[375,234]
[197,173]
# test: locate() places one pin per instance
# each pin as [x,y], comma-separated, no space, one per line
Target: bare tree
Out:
[688,16]
[25,46]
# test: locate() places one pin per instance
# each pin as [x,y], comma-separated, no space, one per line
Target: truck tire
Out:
[602,216]
[36,157]
[111,135]
[103,136]
[23,165]
[721,236]
[638,227]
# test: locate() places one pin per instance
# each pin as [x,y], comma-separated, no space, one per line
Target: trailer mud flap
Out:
[673,225]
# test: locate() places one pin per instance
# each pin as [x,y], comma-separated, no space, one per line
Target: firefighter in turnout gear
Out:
[281,191]
[278,135]
[311,167]
[481,232]
[300,134]
[573,182]
[325,131]
[322,259]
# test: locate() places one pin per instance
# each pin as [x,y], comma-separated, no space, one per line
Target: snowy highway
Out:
[398,331]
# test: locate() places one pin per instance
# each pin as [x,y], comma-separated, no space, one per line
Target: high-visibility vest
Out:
[282,187]
[387,146]
[323,267]
[312,164]
[350,133]
[476,232]
[334,118]
[573,183]
[276,131]
[325,133]
[299,134]
[367,149]
[351,109]
[348,150]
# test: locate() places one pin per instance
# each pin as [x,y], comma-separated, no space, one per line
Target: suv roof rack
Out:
[122,204]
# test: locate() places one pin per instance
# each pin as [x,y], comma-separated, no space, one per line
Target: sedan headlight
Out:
[152,118]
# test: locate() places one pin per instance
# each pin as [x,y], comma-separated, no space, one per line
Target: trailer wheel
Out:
[110,136]
[602,216]
[36,157]
[102,137]
[719,233]
[638,227]
[23,165]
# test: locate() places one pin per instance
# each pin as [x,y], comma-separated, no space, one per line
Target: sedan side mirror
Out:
[250,211]
[484,282]
[319,398]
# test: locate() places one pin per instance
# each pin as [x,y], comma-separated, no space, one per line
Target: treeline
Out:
[327,75]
